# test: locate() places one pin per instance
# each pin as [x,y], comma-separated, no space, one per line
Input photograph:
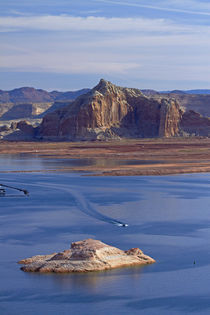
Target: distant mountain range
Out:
[28,102]
[32,95]
[152,92]
[201,91]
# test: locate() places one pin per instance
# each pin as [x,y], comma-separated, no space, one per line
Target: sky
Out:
[69,45]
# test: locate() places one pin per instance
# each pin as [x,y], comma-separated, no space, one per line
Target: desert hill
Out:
[196,91]
[27,102]
[32,95]
[109,111]
[24,110]
[199,102]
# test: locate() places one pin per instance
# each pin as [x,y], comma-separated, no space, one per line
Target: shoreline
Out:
[122,158]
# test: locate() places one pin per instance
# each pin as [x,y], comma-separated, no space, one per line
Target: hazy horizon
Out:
[83,88]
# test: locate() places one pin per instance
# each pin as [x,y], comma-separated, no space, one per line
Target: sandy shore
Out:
[130,157]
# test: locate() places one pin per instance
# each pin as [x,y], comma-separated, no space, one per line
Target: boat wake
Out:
[88,208]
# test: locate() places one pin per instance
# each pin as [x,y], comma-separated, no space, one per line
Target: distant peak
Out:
[107,87]
[178,92]
[104,82]
[104,85]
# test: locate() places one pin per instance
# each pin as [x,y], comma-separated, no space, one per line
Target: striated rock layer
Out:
[84,256]
[109,111]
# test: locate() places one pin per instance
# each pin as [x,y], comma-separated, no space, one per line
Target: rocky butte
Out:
[84,256]
[109,111]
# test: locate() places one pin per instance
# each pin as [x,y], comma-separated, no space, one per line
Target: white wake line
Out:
[86,207]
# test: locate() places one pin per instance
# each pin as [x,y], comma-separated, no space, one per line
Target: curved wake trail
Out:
[86,207]
[12,196]
[89,209]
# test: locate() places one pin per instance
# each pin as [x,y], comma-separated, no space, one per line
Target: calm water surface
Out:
[168,217]
[29,162]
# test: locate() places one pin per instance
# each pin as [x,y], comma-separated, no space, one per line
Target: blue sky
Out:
[68,45]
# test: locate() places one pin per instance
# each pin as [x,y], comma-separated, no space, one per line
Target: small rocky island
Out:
[84,256]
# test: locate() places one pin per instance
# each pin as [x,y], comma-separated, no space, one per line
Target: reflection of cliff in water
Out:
[99,162]
[113,162]
[28,162]
[92,280]
[20,162]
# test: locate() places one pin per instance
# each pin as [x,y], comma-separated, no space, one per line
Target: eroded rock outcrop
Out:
[84,256]
[193,123]
[18,131]
[109,111]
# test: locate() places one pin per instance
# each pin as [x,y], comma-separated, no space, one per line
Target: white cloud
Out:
[129,56]
[91,23]
[66,63]
[131,48]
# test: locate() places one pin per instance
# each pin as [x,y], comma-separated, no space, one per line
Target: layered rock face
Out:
[195,124]
[84,256]
[19,131]
[197,103]
[109,111]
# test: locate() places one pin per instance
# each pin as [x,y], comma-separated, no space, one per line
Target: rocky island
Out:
[84,256]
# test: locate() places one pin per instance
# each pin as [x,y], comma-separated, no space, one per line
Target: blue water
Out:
[32,162]
[168,218]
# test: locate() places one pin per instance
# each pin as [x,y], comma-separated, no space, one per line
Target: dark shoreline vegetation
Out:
[121,158]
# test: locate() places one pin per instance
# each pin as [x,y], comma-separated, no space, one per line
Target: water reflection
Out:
[27,162]
[90,281]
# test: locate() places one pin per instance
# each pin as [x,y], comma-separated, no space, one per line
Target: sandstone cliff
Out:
[24,111]
[84,256]
[193,123]
[197,102]
[19,130]
[109,111]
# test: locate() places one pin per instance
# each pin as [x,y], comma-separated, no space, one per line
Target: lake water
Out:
[29,162]
[168,217]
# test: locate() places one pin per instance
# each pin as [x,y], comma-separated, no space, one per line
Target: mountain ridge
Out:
[30,94]
[33,95]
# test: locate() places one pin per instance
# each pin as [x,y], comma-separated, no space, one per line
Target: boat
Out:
[3,190]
